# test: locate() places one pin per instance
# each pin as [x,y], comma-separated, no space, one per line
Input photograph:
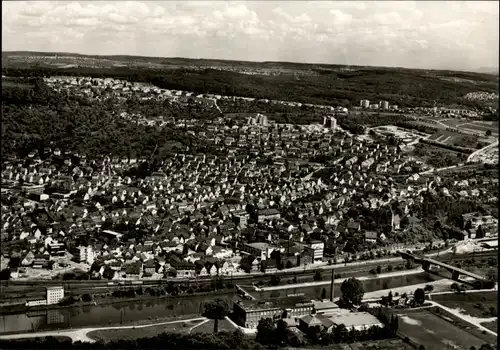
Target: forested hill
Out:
[319,85]
[35,117]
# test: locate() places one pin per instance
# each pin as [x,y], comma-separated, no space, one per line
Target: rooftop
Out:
[275,303]
[351,319]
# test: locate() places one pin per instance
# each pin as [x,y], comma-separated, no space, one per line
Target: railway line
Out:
[23,290]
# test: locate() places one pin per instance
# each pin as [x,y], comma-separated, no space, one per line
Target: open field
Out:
[208,327]
[464,125]
[491,325]
[438,157]
[387,344]
[454,139]
[479,127]
[469,303]
[59,338]
[146,332]
[424,328]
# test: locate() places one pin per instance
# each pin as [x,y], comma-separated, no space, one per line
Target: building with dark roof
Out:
[248,313]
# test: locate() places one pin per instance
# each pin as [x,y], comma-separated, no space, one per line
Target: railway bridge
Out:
[480,281]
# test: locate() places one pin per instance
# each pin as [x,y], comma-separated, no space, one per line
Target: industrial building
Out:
[248,313]
[54,296]
[332,318]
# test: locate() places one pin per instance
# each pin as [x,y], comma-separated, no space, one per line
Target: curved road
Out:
[82,333]
[473,156]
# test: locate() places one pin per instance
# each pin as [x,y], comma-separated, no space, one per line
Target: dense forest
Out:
[401,87]
[34,117]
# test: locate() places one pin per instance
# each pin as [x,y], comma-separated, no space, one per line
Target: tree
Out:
[419,296]
[5,275]
[492,275]
[486,347]
[281,332]
[317,276]
[429,288]
[379,269]
[275,280]
[352,291]
[86,298]
[488,132]
[216,310]
[340,333]
[266,330]
[389,298]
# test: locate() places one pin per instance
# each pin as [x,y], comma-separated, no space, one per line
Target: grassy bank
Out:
[473,304]
[145,332]
[492,326]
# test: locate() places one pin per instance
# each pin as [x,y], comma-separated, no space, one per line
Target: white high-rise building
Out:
[263,120]
[87,254]
[333,123]
[365,103]
[384,105]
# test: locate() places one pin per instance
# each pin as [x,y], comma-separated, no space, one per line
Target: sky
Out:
[458,35]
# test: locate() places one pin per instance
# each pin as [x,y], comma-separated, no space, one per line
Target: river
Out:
[93,316]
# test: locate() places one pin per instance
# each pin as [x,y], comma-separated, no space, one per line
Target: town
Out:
[304,223]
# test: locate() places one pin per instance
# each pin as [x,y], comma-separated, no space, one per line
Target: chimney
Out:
[331,285]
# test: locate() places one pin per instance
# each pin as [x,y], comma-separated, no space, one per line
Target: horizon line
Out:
[480,70]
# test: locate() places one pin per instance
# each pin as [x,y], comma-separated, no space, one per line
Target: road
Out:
[82,333]
[475,157]
[433,170]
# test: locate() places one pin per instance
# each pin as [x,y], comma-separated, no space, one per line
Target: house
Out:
[134,270]
[150,267]
[183,268]
[268,214]
[353,226]
[371,236]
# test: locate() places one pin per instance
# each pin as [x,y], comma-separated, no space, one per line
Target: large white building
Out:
[330,122]
[365,103]
[384,105]
[86,254]
[55,295]
[316,249]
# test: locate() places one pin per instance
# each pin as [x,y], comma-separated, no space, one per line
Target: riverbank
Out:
[338,280]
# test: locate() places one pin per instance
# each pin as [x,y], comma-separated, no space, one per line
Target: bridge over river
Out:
[480,281]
